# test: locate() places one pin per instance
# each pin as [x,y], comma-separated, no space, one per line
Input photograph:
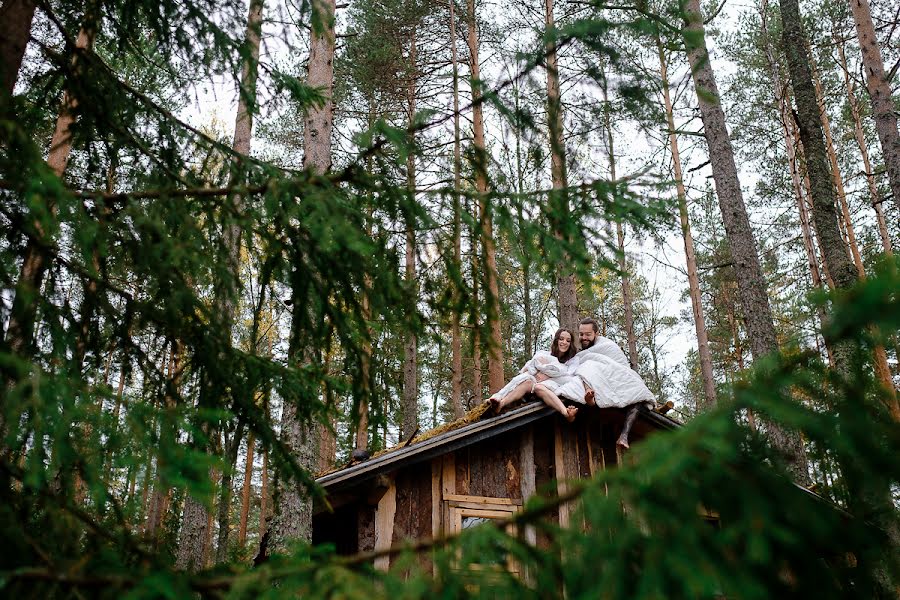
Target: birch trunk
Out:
[492,293]
[706,372]
[883,108]
[558,212]
[245,491]
[751,284]
[455,334]
[293,520]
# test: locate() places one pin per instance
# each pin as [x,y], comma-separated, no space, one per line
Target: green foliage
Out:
[135,369]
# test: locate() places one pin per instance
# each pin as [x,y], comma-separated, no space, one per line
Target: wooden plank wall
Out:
[490,468]
[514,465]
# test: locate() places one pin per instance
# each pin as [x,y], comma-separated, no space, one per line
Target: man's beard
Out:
[588,344]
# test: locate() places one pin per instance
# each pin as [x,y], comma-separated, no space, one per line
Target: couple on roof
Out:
[597,375]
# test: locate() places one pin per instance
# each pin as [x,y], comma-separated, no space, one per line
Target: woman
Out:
[549,367]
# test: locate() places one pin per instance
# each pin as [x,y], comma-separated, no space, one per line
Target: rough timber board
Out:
[440,444]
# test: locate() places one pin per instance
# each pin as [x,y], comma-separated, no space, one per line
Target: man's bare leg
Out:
[518,392]
[626,429]
[553,401]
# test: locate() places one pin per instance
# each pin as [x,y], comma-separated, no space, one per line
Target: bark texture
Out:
[752,294]
[410,404]
[492,293]
[16,16]
[883,108]
[293,519]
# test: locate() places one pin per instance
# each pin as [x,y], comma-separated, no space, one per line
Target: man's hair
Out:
[592,322]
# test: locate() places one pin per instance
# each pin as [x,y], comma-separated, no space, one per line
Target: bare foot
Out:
[623,442]
[495,405]
[571,411]
[589,398]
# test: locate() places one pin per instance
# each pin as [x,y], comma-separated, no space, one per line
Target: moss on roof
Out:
[476,414]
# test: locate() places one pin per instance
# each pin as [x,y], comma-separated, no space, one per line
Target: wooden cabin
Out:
[480,467]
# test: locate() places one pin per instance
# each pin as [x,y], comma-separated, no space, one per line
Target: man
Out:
[603,365]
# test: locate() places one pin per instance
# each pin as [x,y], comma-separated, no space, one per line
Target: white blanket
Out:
[604,368]
[545,363]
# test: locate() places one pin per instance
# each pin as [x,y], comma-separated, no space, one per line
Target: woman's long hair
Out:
[554,347]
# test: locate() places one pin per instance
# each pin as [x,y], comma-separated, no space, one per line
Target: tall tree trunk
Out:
[455,333]
[792,145]
[409,409]
[264,485]
[16,16]
[883,108]
[361,439]
[620,238]
[751,284]
[293,519]
[706,372]
[558,212]
[327,439]
[860,137]
[477,384]
[232,446]
[161,491]
[20,331]
[526,258]
[197,520]
[492,293]
[835,169]
[869,502]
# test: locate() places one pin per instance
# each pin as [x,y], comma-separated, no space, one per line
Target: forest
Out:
[245,242]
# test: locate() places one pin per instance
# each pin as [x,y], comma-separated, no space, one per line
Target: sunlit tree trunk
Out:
[883,107]
[20,331]
[860,137]
[706,372]
[752,292]
[492,293]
